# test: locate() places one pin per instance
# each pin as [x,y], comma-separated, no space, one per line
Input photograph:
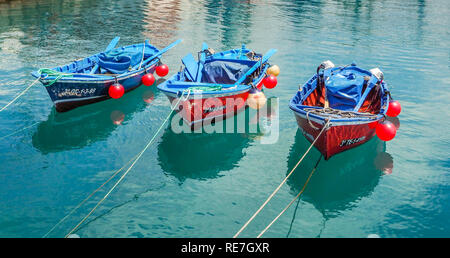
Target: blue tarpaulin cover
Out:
[344,90]
[223,72]
[118,60]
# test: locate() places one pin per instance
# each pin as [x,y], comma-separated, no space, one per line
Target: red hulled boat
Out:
[218,85]
[348,100]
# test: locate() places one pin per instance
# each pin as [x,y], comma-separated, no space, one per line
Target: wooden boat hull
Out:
[347,128]
[88,80]
[335,139]
[197,111]
[217,85]
[68,94]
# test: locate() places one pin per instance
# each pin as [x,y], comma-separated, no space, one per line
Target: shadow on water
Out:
[200,156]
[204,155]
[339,183]
[91,123]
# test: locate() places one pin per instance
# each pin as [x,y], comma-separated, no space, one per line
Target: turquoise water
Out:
[208,185]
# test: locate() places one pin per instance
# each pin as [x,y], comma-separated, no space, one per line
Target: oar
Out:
[111,45]
[146,42]
[180,84]
[326,75]
[371,83]
[256,65]
[158,54]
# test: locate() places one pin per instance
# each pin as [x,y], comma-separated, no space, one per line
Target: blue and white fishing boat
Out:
[89,80]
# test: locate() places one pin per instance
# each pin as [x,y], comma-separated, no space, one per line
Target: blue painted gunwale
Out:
[80,68]
[82,86]
[175,85]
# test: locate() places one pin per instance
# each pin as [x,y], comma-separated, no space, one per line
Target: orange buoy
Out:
[273,70]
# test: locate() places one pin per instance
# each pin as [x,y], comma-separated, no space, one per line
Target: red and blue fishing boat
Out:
[217,85]
[350,102]
[105,75]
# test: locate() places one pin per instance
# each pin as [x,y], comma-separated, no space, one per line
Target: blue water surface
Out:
[208,185]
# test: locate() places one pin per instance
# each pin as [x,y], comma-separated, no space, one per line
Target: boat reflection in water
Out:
[339,183]
[200,156]
[89,124]
[204,156]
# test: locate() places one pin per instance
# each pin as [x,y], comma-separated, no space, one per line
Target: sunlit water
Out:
[208,185]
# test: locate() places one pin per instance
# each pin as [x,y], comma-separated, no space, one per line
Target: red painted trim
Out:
[335,139]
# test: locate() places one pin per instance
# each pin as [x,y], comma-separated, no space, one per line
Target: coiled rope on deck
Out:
[139,155]
[51,72]
[325,126]
[206,88]
[336,113]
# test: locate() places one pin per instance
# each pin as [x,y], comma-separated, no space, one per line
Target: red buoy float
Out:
[116,91]
[162,70]
[394,108]
[386,130]
[148,79]
[270,81]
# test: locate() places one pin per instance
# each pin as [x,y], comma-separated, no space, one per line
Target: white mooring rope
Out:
[293,200]
[20,94]
[128,170]
[325,126]
[89,196]
[20,130]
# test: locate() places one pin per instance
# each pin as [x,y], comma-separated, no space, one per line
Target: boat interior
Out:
[116,61]
[217,69]
[353,92]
